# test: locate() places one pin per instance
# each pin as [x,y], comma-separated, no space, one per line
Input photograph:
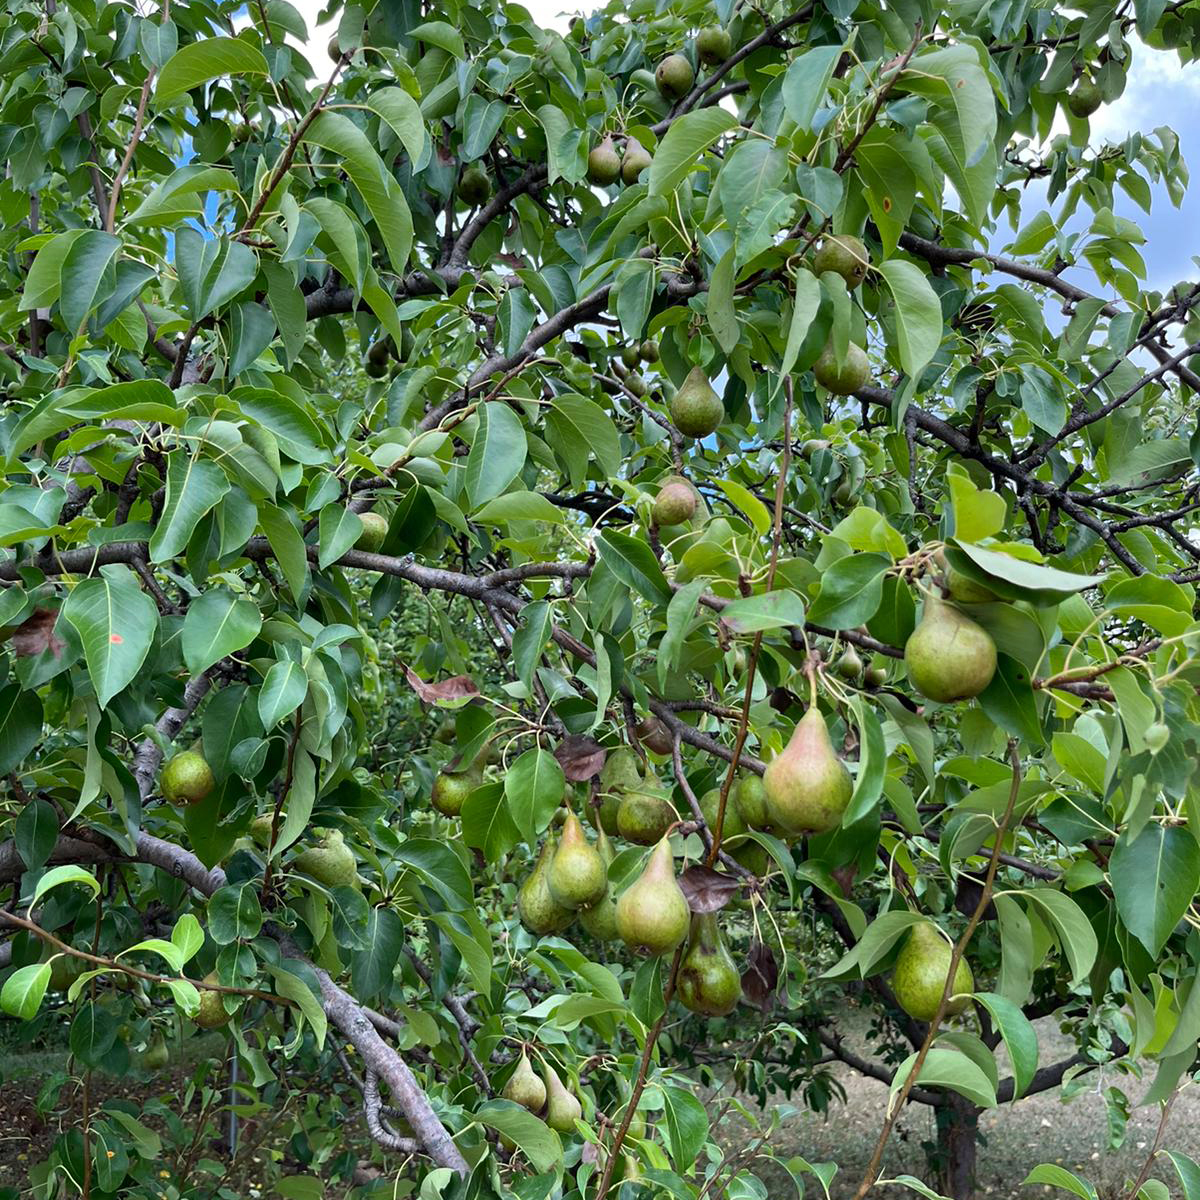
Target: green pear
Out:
[920,974]
[630,356]
[1085,99]
[750,796]
[212,1014]
[652,913]
[451,789]
[374,531]
[845,256]
[674,76]
[949,657]
[713,45]
[710,803]
[562,1106]
[636,159]
[807,785]
[648,351]
[540,913]
[964,590]
[260,829]
[675,502]
[330,862]
[850,665]
[474,187]
[156,1055]
[709,982]
[187,778]
[604,163]
[622,770]
[524,1087]
[600,920]
[578,876]
[696,410]
[645,814]
[845,380]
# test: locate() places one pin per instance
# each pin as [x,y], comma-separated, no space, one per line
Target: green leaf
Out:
[872,763]
[497,452]
[1074,930]
[1188,1172]
[35,832]
[403,114]
[337,530]
[951,1069]
[372,964]
[381,193]
[1025,576]
[116,622]
[679,152]
[23,990]
[20,725]
[188,937]
[529,1133]
[684,1126]
[57,876]
[1154,878]
[1020,1038]
[288,544]
[212,271]
[519,506]
[440,33]
[722,316]
[851,591]
[806,81]
[1050,1175]
[632,561]
[217,624]
[166,950]
[86,275]
[283,691]
[205,59]
[534,786]
[1010,702]
[918,314]
[292,987]
[679,618]
[234,912]
[194,486]
[176,196]
[43,284]
[877,940]
[487,824]
[580,428]
[806,304]
[777,609]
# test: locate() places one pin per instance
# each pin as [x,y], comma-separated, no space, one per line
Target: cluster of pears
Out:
[547,1097]
[630,357]
[636,807]
[606,163]
[949,656]
[919,976]
[848,257]
[186,778]
[851,667]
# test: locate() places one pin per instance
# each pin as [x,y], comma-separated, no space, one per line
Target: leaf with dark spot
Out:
[707,890]
[36,635]
[461,687]
[760,980]
[580,757]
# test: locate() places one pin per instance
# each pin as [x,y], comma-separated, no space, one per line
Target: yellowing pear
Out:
[949,657]
[652,913]
[807,785]
[524,1087]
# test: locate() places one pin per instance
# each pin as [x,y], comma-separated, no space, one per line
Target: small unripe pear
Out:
[622,770]
[374,530]
[710,804]
[260,829]
[807,785]
[844,255]
[750,796]
[636,384]
[1085,99]
[156,1055]
[578,876]
[674,504]
[949,657]
[600,920]
[875,677]
[920,975]
[604,163]
[965,590]
[562,1107]
[674,76]
[212,1014]
[652,913]
[709,983]
[630,356]
[540,912]
[648,351]
[474,187]
[187,778]
[849,377]
[451,789]
[713,45]
[696,409]
[524,1087]
[330,862]
[635,160]
[850,665]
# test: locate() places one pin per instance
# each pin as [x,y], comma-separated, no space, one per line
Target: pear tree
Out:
[551,577]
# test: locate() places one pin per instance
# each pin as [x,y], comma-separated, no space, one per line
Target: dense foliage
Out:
[411,472]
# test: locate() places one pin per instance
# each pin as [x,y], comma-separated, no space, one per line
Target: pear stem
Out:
[956,956]
[752,666]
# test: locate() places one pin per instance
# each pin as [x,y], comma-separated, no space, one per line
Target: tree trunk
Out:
[958,1131]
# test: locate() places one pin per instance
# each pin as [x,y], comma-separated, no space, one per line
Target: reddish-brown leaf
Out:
[36,635]
[580,757]
[459,688]
[760,980]
[707,890]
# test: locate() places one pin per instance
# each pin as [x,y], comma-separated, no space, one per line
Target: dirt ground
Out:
[1039,1129]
